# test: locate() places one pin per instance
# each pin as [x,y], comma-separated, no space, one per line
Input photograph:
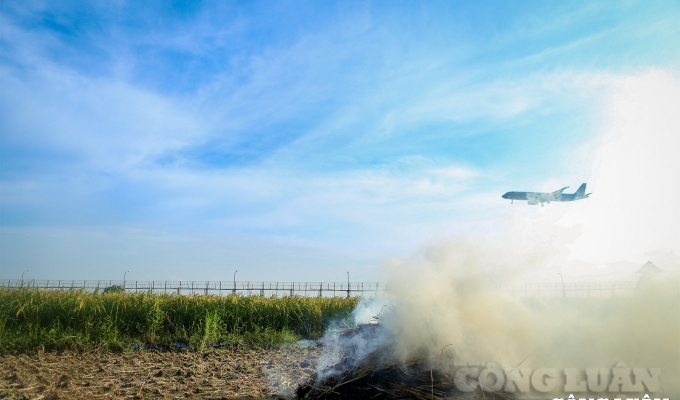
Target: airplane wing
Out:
[560,190]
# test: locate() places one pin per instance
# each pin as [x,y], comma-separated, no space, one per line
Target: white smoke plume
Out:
[444,303]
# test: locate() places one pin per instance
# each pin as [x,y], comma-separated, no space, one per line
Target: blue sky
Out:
[296,140]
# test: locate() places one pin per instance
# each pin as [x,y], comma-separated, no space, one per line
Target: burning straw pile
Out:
[358,363]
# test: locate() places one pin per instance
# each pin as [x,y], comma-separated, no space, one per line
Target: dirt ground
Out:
[216,374]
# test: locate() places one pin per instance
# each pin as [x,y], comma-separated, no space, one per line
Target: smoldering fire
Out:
[443,316]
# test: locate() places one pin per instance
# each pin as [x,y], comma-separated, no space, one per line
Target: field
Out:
[213,374]
[78,320]
[78,344]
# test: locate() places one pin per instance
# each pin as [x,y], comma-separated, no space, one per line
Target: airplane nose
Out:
[505,196]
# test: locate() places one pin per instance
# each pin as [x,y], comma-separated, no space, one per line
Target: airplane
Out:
[538,197]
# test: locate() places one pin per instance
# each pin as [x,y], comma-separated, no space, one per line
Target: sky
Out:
[302,141]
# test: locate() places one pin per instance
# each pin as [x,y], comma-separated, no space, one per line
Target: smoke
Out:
[444,305]
[633,215]
[447,308]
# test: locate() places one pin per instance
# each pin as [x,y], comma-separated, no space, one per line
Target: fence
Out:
[332,289]
[587,289]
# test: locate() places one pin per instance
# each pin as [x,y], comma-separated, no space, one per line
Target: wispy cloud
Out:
[349,129]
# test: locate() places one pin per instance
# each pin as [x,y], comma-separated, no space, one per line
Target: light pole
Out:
[563,293]
[234,291]
[22,278]
[347,283]
[124,279]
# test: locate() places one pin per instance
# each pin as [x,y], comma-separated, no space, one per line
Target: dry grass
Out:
[233,374]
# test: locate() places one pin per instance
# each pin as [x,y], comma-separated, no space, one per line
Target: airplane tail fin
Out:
[581,192]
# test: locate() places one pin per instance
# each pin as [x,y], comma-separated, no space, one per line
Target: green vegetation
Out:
[31,319]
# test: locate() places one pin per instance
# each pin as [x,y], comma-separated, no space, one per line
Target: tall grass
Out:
[31,319]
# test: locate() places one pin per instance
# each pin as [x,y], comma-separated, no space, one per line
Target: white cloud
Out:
[357,99]
[110,125]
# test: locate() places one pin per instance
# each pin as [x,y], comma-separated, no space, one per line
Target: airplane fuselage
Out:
[541,197]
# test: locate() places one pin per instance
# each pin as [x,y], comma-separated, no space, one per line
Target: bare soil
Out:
[216,374]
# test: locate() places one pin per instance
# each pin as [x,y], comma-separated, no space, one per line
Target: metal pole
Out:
[22,278]
[124,279]
[234,290]
[347,283]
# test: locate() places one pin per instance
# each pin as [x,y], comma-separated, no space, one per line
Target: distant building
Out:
[647,273]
